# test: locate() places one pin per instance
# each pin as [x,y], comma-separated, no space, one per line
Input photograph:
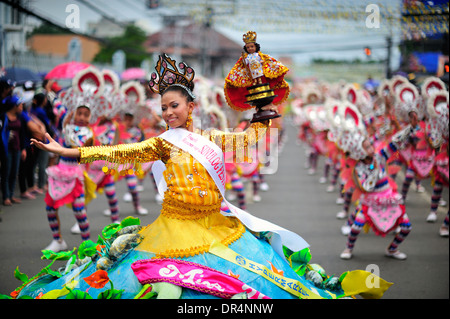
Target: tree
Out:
[131,42]
[46,28]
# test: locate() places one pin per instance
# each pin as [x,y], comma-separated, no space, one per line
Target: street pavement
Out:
[295,200]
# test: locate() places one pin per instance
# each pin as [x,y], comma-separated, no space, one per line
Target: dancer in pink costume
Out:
[66,180]
[380,206]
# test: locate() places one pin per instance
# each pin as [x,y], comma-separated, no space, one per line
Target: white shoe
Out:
[442,203]
[256,198]
[420,189]
[322,180]
[346,254]
[75,229]
[396,254]
[158,198]
[56,246]
[107,212]
[341,215]
[340,201]
[432,217]
[330,189]
[443,231]
[139,188]
[141,211]
[264,187]
[127,197]
[311,171]
[346,229]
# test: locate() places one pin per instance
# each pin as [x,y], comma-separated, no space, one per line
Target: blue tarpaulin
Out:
[429,60]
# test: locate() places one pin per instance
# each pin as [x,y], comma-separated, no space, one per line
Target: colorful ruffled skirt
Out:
[129,261]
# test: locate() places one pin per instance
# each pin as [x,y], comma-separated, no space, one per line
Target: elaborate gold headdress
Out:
[168,75]
[249,37]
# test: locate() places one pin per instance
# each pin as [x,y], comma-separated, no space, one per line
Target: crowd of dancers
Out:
[366,137]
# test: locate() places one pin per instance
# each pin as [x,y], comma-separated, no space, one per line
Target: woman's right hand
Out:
[55,147]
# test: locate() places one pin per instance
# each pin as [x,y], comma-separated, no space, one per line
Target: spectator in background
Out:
[28,165]
[11,145]
[6,88]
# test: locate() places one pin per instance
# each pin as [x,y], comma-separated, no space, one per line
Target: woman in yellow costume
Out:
[192,250]
[255,68]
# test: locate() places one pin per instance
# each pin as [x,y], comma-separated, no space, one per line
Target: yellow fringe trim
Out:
[172,208]
[192,251]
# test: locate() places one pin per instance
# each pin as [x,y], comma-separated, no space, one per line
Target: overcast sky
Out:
[275,43]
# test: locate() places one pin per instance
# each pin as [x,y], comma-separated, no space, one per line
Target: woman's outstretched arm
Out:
[56,148]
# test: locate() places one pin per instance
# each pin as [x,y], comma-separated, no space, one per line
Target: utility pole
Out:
[388,59]
[206,26]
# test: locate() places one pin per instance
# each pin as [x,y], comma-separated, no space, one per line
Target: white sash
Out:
[211,157]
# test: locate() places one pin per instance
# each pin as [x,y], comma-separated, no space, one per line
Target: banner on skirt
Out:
[193,276]
[292,286]
[211,157]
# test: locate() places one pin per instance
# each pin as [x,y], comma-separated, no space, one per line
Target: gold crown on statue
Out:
[249,37]
[168,74]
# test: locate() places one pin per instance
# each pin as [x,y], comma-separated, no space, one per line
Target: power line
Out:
[102,13]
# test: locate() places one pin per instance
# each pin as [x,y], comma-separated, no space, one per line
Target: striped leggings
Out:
[132,182]
[238,187]
[360,221]
[79,211]
[335,174]
[110,192]
[436,196]
[445,223]
[409,176]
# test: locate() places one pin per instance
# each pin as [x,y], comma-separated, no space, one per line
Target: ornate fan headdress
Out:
[112,81]
[167,74]
[437,123]
[87,89]
[352,132]
[365,104]
[350,93]
[332,107]
[333,118]
[351,117]
[396,81]
[432,85]
[135,95]
[384,88]
[89,82]
[407,99]
[311,94]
